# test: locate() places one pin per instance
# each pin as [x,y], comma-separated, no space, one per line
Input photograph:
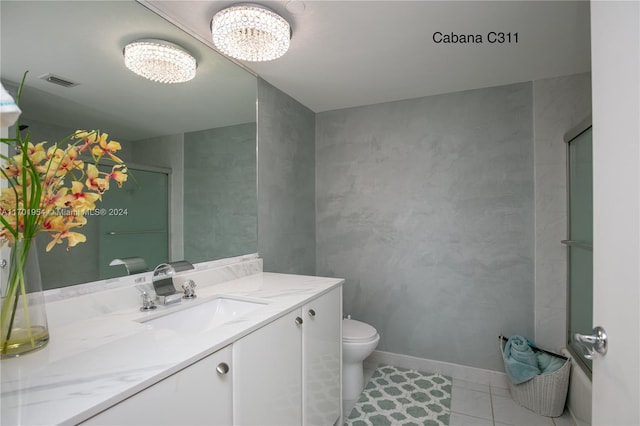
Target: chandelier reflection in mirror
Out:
[250,32]
[159,60]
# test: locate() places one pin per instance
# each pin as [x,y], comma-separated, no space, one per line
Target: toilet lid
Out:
[357,331]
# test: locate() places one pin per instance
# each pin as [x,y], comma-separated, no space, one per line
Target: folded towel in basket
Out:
[521,363]
[548,363]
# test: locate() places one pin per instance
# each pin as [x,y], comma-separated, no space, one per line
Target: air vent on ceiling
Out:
[55,79]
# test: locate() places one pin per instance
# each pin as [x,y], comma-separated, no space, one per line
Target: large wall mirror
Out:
[191,147]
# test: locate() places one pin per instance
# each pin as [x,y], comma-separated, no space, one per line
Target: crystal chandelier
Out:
[250,32]
[160,61]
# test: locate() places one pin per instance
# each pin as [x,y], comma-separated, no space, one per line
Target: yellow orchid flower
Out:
[7,198]
[83,134]
[79,200]
[89,138]
[73,238]
[106,148]
[60,223]
[36,152]
[67,161]
[119,174]
[55,198]
[13,167]
[94,181]
[54,223]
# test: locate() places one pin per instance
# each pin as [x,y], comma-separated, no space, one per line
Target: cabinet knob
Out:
[222,368]
[312,313]
[299,321]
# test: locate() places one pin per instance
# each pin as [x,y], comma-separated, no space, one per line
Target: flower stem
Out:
[23,290]
[10,327]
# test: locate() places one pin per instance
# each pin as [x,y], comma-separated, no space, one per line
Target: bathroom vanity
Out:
[273,357]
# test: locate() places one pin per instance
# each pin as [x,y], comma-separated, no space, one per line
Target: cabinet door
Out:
[197,395]
[268,374]
[322,360]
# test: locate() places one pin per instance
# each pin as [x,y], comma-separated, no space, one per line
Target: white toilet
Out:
[359,339]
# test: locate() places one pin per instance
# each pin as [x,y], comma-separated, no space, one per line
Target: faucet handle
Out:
[147,303]
[189,289]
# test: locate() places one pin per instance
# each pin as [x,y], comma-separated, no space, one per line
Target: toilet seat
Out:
[357,332]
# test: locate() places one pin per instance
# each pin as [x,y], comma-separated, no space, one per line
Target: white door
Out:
[615,48]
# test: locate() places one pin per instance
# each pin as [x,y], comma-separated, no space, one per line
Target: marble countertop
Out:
[99,353]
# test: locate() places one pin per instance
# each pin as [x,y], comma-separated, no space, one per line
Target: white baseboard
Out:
[456,371]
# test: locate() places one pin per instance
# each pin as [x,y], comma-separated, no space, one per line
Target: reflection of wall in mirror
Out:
[212,212]
[220,192]
[213,195]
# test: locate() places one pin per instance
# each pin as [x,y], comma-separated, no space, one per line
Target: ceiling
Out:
[351,53]
[343,54]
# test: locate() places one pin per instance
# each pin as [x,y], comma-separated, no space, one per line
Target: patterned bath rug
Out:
[400,396]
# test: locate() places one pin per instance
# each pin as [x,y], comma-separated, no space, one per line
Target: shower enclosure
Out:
[136,222]
[579,240]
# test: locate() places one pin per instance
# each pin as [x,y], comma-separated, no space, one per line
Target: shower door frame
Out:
[580,128]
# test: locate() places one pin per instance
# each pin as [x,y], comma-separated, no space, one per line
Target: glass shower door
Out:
[134,222]
[580,240]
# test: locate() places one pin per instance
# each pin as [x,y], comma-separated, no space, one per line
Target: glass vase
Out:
[23,312]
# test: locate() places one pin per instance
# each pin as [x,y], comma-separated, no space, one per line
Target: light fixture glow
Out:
[250,32]
[160,61]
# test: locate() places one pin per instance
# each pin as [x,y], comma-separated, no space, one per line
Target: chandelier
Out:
[160,61]
[250,32]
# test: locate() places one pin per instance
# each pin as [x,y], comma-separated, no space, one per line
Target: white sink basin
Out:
[203,316]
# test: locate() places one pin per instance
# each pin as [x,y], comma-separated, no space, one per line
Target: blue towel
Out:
[548,363]
[521,363]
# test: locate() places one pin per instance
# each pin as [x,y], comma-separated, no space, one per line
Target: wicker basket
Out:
[545,394]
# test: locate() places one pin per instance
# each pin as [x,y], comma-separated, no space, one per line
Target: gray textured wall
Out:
[559,105]
[220,215]
[286,182]
[425,206]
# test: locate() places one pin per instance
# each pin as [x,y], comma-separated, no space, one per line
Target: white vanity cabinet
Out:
[201,394]
[280,362]
[322,360]
[284,373]
[288,372]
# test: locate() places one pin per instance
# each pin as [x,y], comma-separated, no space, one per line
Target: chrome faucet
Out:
[133,265]
[163,284]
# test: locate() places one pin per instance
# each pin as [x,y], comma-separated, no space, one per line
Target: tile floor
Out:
[474,404]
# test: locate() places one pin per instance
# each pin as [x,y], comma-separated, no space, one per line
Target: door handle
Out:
[592,343]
